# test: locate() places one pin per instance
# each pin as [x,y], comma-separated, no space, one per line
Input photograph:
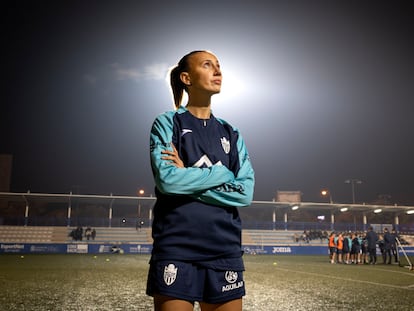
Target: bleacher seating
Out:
[118,235]
[32,234]
[277,237]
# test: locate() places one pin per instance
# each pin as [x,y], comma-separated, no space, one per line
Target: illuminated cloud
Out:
[155,71]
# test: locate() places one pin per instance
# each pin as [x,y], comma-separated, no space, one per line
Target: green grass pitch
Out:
[273,282]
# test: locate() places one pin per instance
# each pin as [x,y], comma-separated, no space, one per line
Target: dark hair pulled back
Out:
[177,86]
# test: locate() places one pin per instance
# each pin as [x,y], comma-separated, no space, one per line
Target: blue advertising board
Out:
[107,248]
[74,248]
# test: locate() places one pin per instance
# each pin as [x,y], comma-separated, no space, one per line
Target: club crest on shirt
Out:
[225,144]
[170,274]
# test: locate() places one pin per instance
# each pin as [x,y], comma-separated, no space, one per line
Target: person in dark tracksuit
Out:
[203,174]
[394,249]
[387,246]
[372,239]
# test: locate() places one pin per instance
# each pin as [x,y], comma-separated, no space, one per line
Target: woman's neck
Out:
[200,112]
[199,106]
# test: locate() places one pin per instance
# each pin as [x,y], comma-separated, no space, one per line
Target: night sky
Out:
[322,91]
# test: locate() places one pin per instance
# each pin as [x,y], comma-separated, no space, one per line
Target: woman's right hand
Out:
[173,157]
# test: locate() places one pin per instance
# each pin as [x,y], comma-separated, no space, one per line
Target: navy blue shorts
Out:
[194,282]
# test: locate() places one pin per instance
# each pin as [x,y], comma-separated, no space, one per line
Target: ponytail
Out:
[177,86]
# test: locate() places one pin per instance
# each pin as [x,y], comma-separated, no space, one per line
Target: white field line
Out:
[376,269]
[409,287]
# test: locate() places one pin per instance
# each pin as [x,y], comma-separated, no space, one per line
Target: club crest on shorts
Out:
[170,274]
[225,144]
[231,276]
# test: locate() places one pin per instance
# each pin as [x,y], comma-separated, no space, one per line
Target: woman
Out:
[202,173]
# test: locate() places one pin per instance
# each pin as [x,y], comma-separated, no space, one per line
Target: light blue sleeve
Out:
[170,179]
[239,191]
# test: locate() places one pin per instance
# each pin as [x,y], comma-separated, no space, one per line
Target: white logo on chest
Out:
[204,160]
[185,131]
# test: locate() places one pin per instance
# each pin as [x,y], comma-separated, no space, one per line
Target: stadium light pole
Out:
[353,182]
[140,194]
[110,212]
[69,209]
[325,193]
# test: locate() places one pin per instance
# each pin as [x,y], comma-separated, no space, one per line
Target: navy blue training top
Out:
[195,215]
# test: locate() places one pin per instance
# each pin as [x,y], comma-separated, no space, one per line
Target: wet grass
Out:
[117,282]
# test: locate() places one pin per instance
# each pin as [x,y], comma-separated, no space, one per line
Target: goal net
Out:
[403,258]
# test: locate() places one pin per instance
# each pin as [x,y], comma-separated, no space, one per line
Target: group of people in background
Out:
[361,247]
[77,234]
[309,235]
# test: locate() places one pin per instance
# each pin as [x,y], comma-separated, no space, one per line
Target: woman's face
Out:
[204,73]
